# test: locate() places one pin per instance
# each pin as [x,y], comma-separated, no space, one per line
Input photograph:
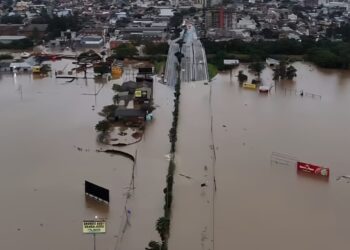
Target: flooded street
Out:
[48,149]
[260,205]
[225,133]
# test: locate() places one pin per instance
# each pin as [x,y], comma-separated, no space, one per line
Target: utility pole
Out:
[94,241]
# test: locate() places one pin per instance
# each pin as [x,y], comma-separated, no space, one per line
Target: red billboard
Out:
[313,169]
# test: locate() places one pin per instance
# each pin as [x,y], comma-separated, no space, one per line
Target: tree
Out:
[156,48]
[102,68]
[162,227]
[108,110]
[242,77]
[291,72]
[153,245]
[90,55]
[280,70]
[323,58]
[35,34]
[117,88]
[16,19]
[176,20]
[257,68]
[283,71]
[103,126]
[57,24]
[125,51]
[5,56]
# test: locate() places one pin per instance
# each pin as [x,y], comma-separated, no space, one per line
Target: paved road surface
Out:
[194,63]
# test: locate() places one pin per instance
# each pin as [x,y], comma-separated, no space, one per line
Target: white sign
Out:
[94,227]
[231,62]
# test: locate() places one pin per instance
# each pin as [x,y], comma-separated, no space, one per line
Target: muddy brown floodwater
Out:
[259,205]
[48,149]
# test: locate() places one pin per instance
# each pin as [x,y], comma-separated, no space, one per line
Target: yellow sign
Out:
[138,93]
[94,227]
[249,86]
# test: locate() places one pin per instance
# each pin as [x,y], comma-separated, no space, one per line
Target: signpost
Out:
[94,227]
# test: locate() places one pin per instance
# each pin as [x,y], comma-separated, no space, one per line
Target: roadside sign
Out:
[231,62]
[94,227]
[313,169]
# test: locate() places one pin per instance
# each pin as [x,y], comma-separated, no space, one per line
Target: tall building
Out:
[220,18]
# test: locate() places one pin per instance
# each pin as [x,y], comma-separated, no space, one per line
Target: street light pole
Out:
[94,241]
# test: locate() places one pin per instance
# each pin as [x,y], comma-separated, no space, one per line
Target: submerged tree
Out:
[162,227]
[242,77]
[103,126]
[153,245]
[257,68]
[284,71]
[291,72]
[108,110]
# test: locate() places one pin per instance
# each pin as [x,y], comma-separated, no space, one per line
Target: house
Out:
[166,12]
[272,62]
[122,96]
[246,23]
[91,41]
[21,66]
[5,65]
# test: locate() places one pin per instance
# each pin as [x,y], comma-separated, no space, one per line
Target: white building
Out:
[293,17]
[246,23]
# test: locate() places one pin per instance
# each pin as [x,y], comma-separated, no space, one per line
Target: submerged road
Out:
[193,64]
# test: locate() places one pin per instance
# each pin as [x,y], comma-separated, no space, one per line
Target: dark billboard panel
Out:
[96,191]
[146,71]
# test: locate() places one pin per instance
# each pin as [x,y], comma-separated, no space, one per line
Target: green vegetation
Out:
[89,56]
[103,126]
[156,48]
[57,24]
[284,71]
[5,57]
[159,66]
[242,77]
[108,110]
[153,246]
[45,68]
[257,67]
[342,32]
[18,44]
[15,19]
[102,68]
[212,70]
[162,227]
[323,53]
[125,51]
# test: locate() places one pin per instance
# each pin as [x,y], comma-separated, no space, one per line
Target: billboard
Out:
[94,227]
[313,169]
[231,62]
[97,192]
